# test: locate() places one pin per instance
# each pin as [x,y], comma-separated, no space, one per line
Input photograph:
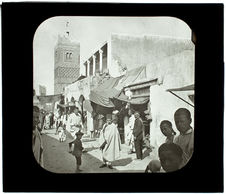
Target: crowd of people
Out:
[70,127]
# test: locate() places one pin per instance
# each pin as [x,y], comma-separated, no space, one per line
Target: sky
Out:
[91,33]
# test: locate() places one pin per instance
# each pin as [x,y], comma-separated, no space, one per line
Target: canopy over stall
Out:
[134,100]
[112,88]
[135,79]
[102,94]
[132,76]
[185,88]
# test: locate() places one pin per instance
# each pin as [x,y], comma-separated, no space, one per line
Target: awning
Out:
[142,99]
[185,88]
[192,98]
[132,76]
[181,89]
[98,109]
[112,87]
[102,94]
[103,97]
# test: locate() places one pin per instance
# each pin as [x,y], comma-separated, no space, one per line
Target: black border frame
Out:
[21,173]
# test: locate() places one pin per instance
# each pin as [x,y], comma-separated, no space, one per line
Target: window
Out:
[68,56]
[56,56]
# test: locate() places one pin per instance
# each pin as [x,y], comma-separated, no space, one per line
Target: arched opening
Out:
[70,56]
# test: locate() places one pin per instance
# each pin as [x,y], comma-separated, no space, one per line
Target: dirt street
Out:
[57,159]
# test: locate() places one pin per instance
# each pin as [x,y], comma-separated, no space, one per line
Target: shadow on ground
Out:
[122,162]
[57,159]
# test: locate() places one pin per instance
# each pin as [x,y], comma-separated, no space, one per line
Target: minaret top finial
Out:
[67,30]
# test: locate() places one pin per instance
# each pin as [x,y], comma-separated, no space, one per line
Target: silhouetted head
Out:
[170,156]
[154,166]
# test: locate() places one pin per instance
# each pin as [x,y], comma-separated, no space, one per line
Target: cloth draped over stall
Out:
[132,76]
[111,88]
[110,94]
[185,88]
[102,94]
[135,101]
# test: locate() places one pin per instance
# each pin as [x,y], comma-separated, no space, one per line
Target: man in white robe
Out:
[110,143]
[75,123]
[129,131]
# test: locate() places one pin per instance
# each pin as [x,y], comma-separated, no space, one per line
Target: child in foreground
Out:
[153,167]
[185,140]
[77,152]
[167,130]
[170,156]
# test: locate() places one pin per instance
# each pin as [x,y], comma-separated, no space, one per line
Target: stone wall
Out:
[132,51]
[175,71]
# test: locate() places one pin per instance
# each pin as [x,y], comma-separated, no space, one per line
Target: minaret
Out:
[66,61]
[67,29]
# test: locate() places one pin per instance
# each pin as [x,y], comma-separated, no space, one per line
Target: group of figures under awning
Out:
[110,96]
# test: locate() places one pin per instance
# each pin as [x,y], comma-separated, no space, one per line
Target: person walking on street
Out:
[51,119]
[129,131]
[100,124]
[110,143]
[47,121]
[58,120]
[138,132]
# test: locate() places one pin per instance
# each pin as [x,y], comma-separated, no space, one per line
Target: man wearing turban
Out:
[110,142]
